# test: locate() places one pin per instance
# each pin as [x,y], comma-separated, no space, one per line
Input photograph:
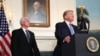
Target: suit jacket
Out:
[62,30]
[21,47]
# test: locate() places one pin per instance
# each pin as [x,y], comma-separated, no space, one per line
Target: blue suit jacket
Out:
[62,30]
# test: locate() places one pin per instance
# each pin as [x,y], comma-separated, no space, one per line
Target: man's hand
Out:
[67,39]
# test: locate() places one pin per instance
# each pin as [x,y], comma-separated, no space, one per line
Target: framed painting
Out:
[38,12]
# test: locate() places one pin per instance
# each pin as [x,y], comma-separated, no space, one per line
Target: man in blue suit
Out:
[64,33]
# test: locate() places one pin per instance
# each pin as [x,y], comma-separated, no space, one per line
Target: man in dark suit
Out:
[64,33]
[23,41]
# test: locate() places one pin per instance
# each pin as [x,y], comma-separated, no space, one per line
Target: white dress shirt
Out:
[24,30]
[70,27]
[68,23]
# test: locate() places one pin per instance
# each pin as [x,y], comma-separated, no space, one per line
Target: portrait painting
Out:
[38,12]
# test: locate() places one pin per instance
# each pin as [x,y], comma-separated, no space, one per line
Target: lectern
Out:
[87,44]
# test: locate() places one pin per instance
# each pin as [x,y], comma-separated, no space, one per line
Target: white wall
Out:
[57,7]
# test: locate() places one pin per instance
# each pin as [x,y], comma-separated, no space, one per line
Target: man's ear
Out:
[66,16]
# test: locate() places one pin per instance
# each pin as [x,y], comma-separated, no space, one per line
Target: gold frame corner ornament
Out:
[92,44]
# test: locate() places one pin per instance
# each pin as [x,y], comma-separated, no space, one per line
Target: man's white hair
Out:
[22,19]
[36,2]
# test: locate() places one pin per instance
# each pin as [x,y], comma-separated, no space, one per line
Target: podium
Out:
[87,44]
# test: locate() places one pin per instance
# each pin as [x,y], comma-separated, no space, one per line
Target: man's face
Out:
[36,5]
[69,16]
[26,22]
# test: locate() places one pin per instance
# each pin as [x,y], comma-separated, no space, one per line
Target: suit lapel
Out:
[75,29]
[67,28]
[23,35]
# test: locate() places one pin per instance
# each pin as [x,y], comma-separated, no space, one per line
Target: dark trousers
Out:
[57,51]
[68,49]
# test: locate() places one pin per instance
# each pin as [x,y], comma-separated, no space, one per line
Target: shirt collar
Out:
[24,30]
[68,23]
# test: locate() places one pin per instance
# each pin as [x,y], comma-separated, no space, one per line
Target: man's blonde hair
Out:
[66,12]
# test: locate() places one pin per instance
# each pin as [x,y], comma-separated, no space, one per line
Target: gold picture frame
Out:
[38,12]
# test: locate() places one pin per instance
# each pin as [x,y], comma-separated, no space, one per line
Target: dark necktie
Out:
[71,29]
[27,35]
